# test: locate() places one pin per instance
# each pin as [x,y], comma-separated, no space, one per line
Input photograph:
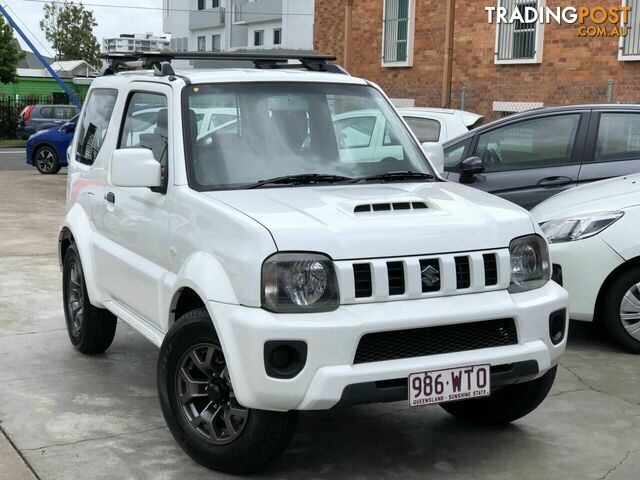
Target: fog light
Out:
[557,326]
[284,358]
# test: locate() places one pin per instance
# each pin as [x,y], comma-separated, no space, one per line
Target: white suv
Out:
[278,273]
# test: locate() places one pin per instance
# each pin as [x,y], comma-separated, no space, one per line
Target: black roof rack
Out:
[160,62]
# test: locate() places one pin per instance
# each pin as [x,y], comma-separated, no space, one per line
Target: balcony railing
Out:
[209,18]
[258,11]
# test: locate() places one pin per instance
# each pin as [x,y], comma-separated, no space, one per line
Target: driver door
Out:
[530,160]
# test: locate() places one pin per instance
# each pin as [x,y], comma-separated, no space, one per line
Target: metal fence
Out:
[10,108]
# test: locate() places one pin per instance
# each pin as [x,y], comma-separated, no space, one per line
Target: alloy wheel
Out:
[630,311]
[46,160]
[205,395]
[75,300]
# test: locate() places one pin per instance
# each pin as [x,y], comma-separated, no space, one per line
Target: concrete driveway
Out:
[77,417]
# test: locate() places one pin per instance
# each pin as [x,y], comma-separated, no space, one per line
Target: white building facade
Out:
[135,42]
[228,25]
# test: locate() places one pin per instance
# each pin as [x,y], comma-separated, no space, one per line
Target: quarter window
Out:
[453,155]
[618,137]
[146,125]
[535,143]
[94,124]
[426,129]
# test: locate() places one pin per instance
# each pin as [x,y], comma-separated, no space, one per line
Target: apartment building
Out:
[447,53]
[227,25]
[135,42]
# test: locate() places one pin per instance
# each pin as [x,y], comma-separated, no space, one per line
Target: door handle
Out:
[551,182]
[110,197]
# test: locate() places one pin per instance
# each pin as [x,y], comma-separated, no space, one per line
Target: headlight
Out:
[299,282]
[530,265]
[578,228]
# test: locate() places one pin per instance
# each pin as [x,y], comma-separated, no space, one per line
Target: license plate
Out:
[448,385]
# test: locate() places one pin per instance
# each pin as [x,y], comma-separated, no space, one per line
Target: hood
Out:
[378,221]
[605,196]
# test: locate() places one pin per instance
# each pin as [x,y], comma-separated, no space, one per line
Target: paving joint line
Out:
[17,450]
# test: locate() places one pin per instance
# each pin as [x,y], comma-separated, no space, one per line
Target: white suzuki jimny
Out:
[229,217]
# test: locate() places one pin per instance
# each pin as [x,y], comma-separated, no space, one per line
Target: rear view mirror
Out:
[135,167]
[435,153]
[472,165]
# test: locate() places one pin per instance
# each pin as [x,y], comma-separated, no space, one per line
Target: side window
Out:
[94,124]
[46,112]
[146,124]
[618,137]
[426,129]
[453,155]
[536,143]
[355,132]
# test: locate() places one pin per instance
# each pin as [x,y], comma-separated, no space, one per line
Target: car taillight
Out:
[26,112]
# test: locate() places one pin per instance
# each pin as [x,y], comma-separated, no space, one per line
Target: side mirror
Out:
[135,167]
[68,127]
[471,166]
[435,153]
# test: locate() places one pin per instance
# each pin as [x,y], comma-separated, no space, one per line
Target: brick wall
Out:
[573,69]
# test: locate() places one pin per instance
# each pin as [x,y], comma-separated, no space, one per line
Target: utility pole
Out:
[348,14]
[448,53]
[46,65]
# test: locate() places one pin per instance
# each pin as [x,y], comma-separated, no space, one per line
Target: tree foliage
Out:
[69,28]
[10,53]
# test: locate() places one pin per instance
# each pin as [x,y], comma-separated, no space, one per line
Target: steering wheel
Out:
[490,158]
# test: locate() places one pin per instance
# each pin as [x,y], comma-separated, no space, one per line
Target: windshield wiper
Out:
[303,179]
[394,176]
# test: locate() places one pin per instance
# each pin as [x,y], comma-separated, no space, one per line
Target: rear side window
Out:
[535,143]
[46,112]
[618,137]
[355,132]
[426,129]
[94,124]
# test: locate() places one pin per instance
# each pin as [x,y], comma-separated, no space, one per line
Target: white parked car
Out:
[276,275]
[595,248]
[439,124]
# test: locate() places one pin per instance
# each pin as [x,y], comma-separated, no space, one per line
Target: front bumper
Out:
[332,339]
[585,264]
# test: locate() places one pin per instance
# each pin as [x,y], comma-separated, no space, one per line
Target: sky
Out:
[112,21]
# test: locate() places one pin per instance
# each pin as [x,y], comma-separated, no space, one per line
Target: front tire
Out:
[506,404]
[200,407]
[621,310]
[90,329]
[46,160]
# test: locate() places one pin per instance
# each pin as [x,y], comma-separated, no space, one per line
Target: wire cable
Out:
[137,7]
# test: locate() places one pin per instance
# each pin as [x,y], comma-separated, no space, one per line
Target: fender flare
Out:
[77,227]
[205,275]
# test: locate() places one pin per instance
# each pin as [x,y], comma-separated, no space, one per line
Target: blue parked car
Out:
[47,149]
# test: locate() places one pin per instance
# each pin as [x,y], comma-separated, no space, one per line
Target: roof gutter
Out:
[448,53]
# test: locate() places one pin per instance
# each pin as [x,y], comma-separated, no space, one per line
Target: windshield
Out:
[238,135]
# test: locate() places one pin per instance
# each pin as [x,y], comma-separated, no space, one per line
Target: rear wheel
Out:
[46,160]
[90,329]
[506,404]
[200,407]
[621,310]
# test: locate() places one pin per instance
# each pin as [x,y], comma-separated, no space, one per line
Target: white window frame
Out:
[621,56]
[213,43]
[202,48]
[539,44]
[410,36]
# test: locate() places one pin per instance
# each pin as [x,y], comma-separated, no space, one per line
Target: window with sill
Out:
[397,36]
[630,44]
[519,42]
